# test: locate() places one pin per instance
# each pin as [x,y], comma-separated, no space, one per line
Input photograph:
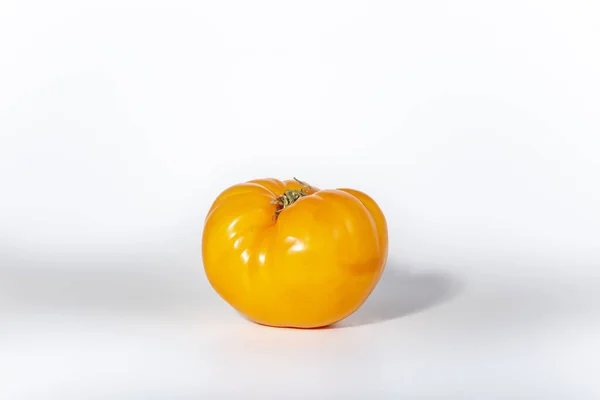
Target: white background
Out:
[475,125]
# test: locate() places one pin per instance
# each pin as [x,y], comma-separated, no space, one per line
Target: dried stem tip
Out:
[289,197]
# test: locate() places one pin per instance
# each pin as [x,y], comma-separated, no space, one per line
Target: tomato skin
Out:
[311,266]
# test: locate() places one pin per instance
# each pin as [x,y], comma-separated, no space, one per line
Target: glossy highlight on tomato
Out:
[287,254]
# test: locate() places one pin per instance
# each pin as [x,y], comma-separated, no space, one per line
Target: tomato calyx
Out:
[289,197]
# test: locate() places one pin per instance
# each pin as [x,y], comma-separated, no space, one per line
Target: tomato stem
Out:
[289,197]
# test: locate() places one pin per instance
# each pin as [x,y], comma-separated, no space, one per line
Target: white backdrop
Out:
[474,125]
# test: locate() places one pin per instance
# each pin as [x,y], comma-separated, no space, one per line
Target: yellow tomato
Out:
[287,254]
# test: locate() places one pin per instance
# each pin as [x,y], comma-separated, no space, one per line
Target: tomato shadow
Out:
[401,292]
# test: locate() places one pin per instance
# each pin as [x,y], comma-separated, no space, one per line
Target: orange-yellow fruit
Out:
[290,255]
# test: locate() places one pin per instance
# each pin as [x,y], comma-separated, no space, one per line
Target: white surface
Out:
[474,124]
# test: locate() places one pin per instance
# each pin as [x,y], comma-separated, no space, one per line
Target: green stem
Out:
[289,197]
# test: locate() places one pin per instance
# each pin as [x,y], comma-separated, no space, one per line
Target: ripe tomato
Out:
[287,254]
